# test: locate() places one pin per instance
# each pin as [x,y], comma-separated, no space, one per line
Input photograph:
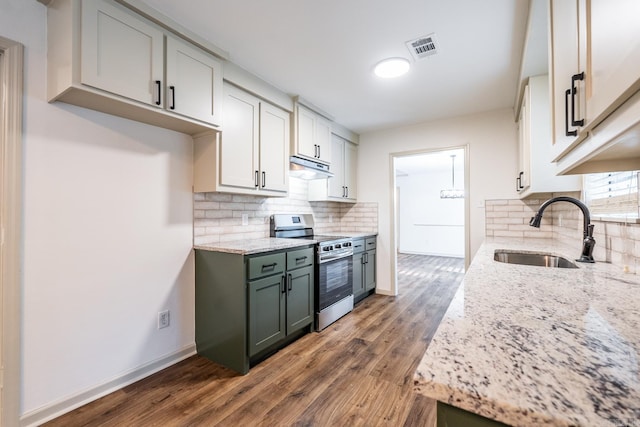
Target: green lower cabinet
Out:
[299,299]
[364,267]
[250,306]
[267,305]
[450,416]
[370,270]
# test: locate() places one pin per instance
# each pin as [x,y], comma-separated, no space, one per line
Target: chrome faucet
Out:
[588,241]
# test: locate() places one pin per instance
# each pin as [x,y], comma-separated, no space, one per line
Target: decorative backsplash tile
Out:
[217,217]
[616,242]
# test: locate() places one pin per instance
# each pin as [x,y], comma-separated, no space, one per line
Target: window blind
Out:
[612,194]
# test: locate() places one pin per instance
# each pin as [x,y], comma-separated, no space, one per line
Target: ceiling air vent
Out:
[422,46]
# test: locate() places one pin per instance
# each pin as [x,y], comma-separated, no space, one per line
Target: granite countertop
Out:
[255,246]
[532,346]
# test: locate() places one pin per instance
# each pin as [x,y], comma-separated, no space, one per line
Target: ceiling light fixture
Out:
[453,192]
[391,67]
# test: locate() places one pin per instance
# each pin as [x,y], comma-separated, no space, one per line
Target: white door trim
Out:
[10,229]
[394,208]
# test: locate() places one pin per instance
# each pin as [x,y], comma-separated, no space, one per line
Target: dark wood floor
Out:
[357,372]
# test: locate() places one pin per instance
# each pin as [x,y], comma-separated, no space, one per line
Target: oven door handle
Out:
[335,257]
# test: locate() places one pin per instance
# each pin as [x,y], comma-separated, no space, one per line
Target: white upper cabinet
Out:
[251,155]
[565,64]
[115,44]
[194,80]
[613,54]
[275,128]
[239,149]
[537,172]
[312,139]
[341,187]
[102,55]
[595,67]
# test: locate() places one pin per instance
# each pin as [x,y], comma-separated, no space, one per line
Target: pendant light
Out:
[452,193]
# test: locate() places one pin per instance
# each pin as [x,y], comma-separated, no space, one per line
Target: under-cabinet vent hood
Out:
[308,169]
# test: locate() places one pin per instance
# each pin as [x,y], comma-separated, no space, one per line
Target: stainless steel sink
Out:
[540,259]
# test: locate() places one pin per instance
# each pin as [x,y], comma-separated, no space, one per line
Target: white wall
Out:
[427,224]
[107,237]
[492,140]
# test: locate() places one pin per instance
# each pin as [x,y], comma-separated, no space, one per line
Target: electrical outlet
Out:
[163,319]
[245,219]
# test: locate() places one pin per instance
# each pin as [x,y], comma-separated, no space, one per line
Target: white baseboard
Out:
[54,410]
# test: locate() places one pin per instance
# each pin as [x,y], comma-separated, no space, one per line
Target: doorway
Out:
[430,210]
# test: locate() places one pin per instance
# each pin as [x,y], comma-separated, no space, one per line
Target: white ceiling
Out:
[325,50]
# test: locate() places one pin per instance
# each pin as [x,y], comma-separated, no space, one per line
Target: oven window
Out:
[335,281]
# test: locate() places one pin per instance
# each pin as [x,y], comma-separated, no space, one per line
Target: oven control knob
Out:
[326,248]
[346,244]
[338,246]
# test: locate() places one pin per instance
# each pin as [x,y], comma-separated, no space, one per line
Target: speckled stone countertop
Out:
[533,346]
[255,246]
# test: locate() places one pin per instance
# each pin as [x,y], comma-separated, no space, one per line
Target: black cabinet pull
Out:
[319,152]
[264,179]
[269,266]
[159,85]
[302,258]
[290,280]
[567,132]
[256,182]
[283,284]
[574,92]
[173,97]
[346,194]
[520,186]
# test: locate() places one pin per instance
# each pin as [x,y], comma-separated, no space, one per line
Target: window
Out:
[613,194]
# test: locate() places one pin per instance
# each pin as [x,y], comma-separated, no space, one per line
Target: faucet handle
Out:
[590,230]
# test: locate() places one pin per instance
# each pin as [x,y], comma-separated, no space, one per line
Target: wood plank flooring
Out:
[357,372]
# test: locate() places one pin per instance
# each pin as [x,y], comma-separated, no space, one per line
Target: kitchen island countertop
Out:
[532,346]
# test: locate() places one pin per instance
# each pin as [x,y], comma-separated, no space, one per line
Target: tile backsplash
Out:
[218,216]
[616,242]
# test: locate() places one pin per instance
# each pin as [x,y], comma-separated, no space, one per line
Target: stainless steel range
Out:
[334,266]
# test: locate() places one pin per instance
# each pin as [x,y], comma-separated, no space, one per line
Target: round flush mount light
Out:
[391,67]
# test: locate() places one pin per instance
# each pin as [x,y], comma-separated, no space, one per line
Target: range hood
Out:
[308,169]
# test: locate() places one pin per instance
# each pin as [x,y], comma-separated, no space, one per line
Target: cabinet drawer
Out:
[370,243]
[358,246]
[299,258]
[266,265]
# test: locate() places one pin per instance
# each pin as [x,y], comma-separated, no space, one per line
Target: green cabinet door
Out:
[299,298]
[370,270]
[267,305]
[358,277]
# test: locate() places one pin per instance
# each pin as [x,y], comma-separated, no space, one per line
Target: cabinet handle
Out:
[520,186]
[364,258]
[173,97]
[159,85]
[290,280]
[567,132]
[319,152]
[346,194]
[264,179]
[574,92]
[302,258]
[256,181]
[283,284]
[269,266]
